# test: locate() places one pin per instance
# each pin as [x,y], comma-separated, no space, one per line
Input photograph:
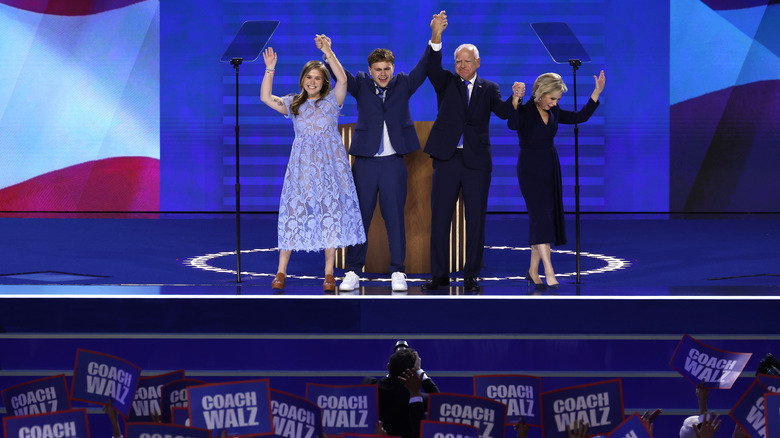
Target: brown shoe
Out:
[278,283]
[330,283]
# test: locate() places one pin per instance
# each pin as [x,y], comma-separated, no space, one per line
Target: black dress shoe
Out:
[434,283]
[471,284]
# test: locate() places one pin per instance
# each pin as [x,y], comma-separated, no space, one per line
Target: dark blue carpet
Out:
[620,256]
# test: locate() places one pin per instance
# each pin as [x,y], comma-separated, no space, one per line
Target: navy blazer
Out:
[455,118]
[373,113]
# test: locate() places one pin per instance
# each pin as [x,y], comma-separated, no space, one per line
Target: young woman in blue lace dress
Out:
[318,209]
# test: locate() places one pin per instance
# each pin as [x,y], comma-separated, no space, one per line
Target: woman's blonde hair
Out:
[547,83]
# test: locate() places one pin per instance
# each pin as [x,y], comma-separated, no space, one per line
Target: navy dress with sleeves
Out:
[539,169]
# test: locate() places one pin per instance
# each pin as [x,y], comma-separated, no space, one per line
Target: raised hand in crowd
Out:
[522,429]
[578,430]
[702,393]
[648,418]
[708,427]
[113,416]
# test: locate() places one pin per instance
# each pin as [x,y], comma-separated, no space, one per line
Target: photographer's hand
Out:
[413,382]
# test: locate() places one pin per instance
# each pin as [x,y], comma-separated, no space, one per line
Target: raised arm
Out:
[413,381]
[436,74]
[600,80]
[438,24]
[702,394]
[340,88]
[269,57]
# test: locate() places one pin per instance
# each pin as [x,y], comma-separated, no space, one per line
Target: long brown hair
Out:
[299,99]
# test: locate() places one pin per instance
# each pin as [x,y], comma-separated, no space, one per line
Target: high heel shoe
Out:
[552,286]
[538,287]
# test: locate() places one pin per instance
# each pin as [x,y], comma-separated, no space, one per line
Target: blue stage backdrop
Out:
[124,105]
[725,104]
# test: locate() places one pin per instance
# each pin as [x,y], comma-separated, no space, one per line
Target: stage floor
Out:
[162,293]
[620,256]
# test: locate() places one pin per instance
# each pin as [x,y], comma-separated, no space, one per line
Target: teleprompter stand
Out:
[564,48]
[247,46]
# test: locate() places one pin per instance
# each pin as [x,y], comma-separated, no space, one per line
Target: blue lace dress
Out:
[319,207]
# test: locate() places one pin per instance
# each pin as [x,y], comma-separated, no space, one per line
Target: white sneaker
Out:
[398,281]
[351,281]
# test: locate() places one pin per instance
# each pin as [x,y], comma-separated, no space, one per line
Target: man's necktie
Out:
[468,95]
[381,93]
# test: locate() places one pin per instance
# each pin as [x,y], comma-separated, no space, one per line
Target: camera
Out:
[769,365]
[400,345]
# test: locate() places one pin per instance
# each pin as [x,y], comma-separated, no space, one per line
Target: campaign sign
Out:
[345,409]
[598,404]
[486,414]
[295,417]
[772,383]
[147,396]
[633,427]
[772,412]
[62,424]
[174,395]
[749,410]
[240,408]
[98,377]
[180,416]
[157,430]
[701,363]
[40,396]
[519,393]
[439,429]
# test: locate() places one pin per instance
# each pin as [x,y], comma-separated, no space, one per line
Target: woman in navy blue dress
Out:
[538,166]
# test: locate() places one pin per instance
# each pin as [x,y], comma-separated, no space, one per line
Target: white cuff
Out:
[435,46]
[415,399]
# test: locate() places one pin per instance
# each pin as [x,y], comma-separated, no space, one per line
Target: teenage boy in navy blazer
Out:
[384,132]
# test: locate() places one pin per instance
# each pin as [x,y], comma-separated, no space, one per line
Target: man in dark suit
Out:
[384,132]
[400,395]
[459,144]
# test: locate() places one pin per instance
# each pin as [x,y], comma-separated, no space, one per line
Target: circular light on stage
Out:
[609,264]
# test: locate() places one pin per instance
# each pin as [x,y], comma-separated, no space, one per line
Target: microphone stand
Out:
[236,62]
[575,64]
